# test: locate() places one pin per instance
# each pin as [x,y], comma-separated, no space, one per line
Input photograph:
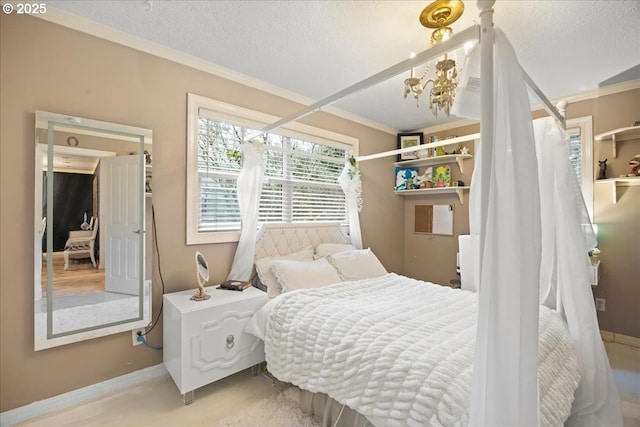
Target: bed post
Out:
[486,108]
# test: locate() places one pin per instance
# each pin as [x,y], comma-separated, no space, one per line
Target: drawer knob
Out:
[230,341]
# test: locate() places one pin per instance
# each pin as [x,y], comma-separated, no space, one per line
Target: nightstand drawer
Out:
[205,341]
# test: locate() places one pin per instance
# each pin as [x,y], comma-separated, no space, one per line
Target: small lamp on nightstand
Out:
[202,272]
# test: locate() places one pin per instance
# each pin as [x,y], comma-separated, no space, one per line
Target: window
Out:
[581,156]
[302,165]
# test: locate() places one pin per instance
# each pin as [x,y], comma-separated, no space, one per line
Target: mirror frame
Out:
[45,337]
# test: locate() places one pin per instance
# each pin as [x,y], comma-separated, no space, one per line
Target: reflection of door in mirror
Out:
[89,265]
[434,219]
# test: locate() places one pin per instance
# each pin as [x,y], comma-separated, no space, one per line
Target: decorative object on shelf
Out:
[464,151]
[439,15]
[409,140]
[634,164]
[440,151]
[406,179]
[636,123]
[424,180]
[85,225]
[593,255]
[441,176]
[202,273]
[602,169]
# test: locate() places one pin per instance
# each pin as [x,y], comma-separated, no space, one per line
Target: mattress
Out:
[399,351]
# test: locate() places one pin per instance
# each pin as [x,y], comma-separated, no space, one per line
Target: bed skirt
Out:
[328,411]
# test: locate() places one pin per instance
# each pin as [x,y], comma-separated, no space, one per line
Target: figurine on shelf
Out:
[464,151]
[602,171]
[634,164]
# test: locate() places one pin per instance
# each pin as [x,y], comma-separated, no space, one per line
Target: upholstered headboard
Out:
[284,239]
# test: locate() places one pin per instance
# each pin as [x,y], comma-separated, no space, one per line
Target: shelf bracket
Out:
[460,163]
[460,191]
[615,151]
[614,190]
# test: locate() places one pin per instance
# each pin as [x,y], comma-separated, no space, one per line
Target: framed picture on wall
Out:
[409,140]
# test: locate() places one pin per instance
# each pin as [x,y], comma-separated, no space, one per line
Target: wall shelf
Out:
[431,191]
[437,160]
[619,135]
[623,181]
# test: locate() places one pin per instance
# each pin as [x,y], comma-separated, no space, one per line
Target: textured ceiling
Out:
[317,48]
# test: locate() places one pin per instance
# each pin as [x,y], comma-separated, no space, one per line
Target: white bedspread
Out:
[400,351]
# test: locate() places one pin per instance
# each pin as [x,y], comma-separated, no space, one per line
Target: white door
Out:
[122,222]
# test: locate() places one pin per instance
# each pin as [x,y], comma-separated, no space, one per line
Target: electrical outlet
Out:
[600,303]
[134,335]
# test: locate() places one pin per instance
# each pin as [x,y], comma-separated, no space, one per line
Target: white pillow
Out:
[357,264]
[294,275]
[263,267]
[325,249]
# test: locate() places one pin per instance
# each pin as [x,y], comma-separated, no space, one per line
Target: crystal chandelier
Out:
[439,15]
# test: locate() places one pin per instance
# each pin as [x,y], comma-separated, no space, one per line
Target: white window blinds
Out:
[300,177]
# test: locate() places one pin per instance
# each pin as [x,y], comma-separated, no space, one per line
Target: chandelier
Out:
[439,15]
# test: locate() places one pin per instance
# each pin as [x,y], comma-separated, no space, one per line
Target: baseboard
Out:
[620,339]
[81,395]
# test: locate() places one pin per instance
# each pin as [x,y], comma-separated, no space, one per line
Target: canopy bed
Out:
[526,219]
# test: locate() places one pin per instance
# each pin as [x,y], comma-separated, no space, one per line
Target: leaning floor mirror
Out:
[90,277]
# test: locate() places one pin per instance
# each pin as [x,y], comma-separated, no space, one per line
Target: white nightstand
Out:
[205,341]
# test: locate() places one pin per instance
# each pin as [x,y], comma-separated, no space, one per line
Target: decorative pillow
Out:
[357,264]
[263,267]
[325,249]
[294,275]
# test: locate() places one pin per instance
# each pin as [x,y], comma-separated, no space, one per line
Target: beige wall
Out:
[619,223]
[47,67]
[433,257]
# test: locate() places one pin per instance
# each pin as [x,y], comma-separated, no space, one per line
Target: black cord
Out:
[155,239]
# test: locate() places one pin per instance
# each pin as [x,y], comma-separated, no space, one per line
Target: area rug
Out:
[280,410]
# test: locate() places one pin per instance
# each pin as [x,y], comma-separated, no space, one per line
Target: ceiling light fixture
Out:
[439,15]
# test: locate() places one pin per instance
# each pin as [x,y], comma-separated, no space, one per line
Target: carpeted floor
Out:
[280,410]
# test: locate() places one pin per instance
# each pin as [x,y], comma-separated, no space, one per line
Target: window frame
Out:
[585,124]
[218,110]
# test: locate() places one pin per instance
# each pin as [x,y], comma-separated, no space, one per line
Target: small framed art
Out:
[406,179]
[409,140]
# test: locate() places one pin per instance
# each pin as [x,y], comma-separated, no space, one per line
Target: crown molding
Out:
[87,26]
[77,23]
[578,97]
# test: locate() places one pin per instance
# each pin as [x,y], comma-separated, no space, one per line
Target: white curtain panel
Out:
[351,185]
[564,276]
[249,189]
[505,377]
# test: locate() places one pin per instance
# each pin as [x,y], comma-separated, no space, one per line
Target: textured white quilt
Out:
[400,351]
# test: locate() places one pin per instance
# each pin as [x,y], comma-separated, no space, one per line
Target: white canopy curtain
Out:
[532,223]
[249,189]
[564,276]
[505,180]
[350,183]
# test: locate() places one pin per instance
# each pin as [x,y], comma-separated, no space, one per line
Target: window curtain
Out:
[505,376]
[350,183]
[249,189]
[565,285]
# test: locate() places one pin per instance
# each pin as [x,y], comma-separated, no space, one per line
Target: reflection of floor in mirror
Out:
[81,299]
[88,310]
[80,277]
